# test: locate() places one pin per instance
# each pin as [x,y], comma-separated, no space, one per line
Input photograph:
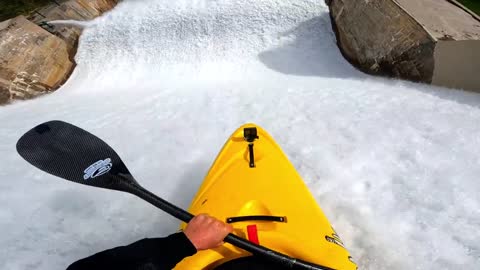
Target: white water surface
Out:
[394,165]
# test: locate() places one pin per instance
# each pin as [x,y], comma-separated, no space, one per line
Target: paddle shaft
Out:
[185,216]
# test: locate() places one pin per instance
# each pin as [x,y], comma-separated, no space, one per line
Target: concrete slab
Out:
[457,64]
[443,19]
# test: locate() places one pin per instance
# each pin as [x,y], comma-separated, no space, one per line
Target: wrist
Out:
[191,240]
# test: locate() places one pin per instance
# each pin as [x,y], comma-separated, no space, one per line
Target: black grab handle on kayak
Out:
[256,218]
[237,241]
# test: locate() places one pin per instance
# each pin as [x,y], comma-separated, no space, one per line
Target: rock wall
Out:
[33,61]
[79,10]
[37,57]
[400,38]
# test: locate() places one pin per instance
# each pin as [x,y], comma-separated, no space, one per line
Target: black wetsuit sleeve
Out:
[149,253]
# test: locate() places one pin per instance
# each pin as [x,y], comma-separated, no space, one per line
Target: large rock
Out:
[410,39]
[33,61]
[36,60]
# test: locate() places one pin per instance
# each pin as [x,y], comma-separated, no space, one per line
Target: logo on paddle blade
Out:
[98,168]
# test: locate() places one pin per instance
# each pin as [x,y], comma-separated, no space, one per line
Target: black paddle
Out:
[72,153]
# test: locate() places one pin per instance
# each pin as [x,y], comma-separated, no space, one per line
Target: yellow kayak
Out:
[253,186]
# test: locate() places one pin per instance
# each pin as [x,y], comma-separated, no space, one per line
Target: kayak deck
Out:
[237,192]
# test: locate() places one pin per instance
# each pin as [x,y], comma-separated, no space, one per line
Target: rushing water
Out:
[394,165]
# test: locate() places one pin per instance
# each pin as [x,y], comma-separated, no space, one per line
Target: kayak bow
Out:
[253,186]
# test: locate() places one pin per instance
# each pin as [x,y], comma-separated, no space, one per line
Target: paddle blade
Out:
[72,153]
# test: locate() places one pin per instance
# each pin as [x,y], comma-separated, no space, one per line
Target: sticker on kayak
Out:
[98,168]
[335,239]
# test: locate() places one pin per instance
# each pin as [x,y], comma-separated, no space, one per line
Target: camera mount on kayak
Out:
[250,135]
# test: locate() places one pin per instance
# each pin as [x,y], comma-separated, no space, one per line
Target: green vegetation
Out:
[13,8]
[473,5]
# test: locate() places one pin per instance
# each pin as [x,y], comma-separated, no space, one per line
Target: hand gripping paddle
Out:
[72,153]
